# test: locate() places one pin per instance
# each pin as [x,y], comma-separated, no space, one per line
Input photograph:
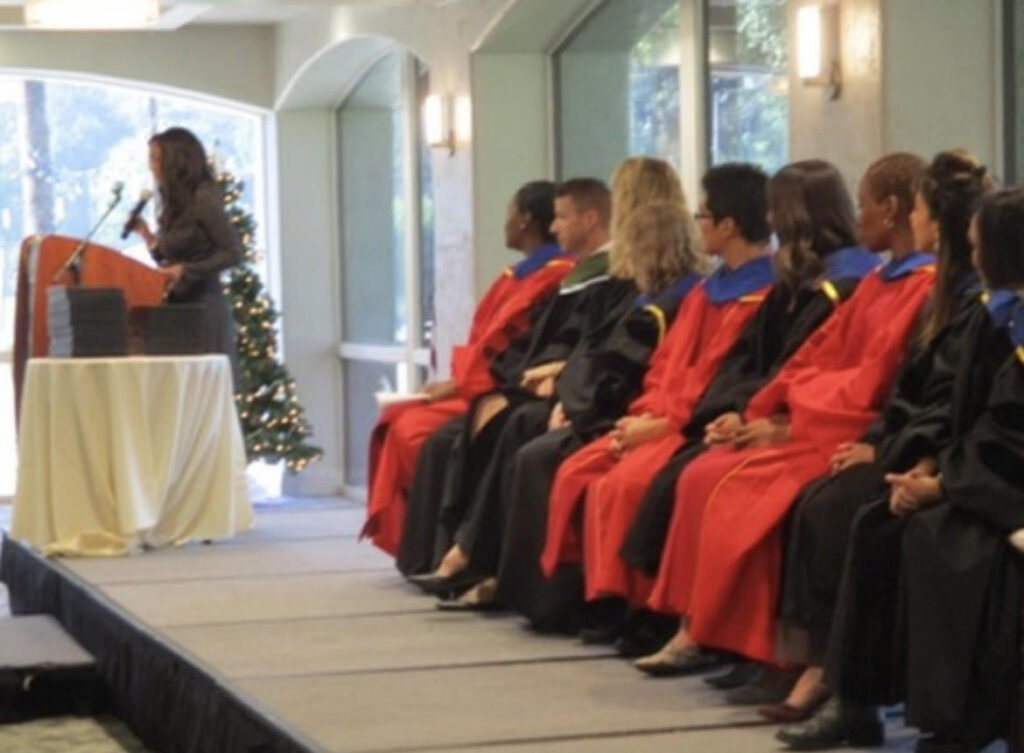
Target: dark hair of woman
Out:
[897,175]
[951,188]
[1001,238]
[537,199]
[812,214]
[184,169]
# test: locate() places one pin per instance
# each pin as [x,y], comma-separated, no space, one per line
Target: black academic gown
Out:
[600,379]
[913,424]
[465,517]
[780,326]
[445,458]
[962,576]
[865,651]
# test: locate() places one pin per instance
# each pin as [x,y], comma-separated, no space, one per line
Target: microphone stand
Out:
[74,261]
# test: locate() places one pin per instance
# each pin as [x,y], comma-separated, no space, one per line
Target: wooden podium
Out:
[40,259]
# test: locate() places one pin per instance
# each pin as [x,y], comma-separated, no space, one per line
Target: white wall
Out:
[918,75]
[594,93]
[232,63]
[309,286]
[512,122]
[941,78]
[847,131]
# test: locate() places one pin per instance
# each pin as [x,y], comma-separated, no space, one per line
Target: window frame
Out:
[414,355]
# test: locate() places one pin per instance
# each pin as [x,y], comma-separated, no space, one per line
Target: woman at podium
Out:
[194,240]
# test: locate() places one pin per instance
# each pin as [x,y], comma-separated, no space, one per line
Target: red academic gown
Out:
[501,315]
[723,556]
[681,367]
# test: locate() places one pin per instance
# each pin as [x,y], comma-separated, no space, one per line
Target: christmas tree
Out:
[273,421]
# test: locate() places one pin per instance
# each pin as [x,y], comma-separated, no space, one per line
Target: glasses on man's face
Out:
[702,216]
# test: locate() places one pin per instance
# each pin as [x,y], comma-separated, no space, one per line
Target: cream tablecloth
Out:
[120,453]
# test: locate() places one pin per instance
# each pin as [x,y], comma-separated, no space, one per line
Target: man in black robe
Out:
[582,217]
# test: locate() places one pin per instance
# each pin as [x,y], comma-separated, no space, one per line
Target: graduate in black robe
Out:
[841,581]
[964,537]
[916,423]
[583,297]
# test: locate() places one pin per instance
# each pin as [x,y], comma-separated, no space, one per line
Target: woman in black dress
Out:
[195,240]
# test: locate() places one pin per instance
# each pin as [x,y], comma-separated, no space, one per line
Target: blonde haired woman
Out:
[636,182]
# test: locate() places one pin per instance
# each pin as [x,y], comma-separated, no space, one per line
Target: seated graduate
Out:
[965,534]
[600,378]
[703,331]
[501,315]
[721,565]
[931,620]
[637,180]
[526,367]
[958,333]
[818,267]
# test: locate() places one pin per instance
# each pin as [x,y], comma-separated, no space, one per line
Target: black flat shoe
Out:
[837,724]
[463,605]
[479,598]
[741,673]
[446,586]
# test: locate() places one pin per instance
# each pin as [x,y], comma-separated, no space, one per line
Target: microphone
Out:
[144,198]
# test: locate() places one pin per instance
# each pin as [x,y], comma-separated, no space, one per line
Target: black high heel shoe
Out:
[446,586]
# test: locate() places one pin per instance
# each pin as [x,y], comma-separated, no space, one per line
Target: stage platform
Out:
[295,637]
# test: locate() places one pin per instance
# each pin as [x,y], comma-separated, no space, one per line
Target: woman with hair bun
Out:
[965,531]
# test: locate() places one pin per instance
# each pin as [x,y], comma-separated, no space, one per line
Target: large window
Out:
[618,83]
[386,232]
[748,99]
[63,146]
[617,79]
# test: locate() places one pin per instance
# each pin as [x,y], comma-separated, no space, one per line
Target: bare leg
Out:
[455,561]
[809,688]
[486,409]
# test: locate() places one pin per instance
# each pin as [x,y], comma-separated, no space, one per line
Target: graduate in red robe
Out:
[722,559]
[813,217]
[705,329]
[502,314]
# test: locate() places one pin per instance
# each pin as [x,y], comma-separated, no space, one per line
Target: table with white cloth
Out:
[118,454]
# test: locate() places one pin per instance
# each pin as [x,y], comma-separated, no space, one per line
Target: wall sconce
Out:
[447,121]
[817,47]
